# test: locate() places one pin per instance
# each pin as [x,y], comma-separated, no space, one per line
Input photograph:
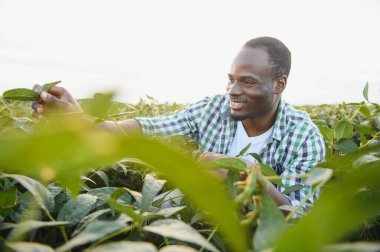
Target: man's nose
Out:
[234,88]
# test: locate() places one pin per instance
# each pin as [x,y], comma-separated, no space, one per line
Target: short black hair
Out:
[279,54]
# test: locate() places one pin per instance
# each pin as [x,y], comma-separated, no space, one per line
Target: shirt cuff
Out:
[146,126]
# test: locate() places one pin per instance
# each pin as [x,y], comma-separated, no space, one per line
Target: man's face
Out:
[251,88]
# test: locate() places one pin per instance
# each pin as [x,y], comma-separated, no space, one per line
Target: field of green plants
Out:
[65,186]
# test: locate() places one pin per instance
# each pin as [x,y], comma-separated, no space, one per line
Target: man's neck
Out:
[259,125]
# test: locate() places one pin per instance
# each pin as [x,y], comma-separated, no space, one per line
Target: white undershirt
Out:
[241,140]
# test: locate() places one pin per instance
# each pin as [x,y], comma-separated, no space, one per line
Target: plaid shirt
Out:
[294,148]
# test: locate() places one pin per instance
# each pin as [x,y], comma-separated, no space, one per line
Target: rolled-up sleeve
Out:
[184,122]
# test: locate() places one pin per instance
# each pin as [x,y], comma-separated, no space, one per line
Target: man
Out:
[252,111]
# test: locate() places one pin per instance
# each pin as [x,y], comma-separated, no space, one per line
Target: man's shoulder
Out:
[215,102]
[298,119]
[294,114]
[216,99]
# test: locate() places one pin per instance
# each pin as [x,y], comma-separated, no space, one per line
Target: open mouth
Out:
[236,104]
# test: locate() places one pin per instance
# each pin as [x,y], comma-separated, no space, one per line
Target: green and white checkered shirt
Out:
[294,148]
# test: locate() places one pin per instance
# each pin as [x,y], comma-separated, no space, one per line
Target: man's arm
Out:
[129,126]
[61,99]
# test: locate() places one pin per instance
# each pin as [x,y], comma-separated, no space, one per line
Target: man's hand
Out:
[221,172]
[57,98]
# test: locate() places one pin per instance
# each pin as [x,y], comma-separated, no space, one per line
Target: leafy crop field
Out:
[65,186]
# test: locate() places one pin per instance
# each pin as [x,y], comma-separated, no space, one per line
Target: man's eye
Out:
[250,82]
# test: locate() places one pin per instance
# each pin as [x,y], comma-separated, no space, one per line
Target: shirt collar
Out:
[226,111]
[279,125]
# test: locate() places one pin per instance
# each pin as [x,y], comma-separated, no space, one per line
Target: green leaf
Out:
[99,106]
[364,109]
[244,150]
[104,193]
[343,129]
[74,210]
[21,94]
[93,231]
[266,170]
[271,223]
[48,86]
[89,219]
[228,163]
[104,177]
[42,195]
[318,175]
[366,159]
[24,227]
[361,246]
[28,247]
[179,230]
[125,209]
[232,177]
[167,212]
[345,145]
[177,248]
[256,156]
[327,133]
[68,147]
[124,246]
[150,189]
[8,198]
[365,92]
[364,129]
[122,192]
[164,212]
[327,222]
[293,188]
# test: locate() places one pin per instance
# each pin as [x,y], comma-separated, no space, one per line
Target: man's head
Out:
[257,78]
[279,54]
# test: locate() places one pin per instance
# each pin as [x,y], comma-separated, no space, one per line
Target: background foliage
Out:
[67,187]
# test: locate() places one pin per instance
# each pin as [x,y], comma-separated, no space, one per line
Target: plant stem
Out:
[209,237]
[304,200]
[6,105]
[120,128]
[290,176]
[61,228]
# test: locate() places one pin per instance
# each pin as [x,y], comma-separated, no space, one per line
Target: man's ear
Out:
[280,84]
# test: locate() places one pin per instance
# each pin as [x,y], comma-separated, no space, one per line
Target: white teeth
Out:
[236,104]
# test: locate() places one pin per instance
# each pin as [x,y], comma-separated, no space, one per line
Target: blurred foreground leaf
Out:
[69,146]
[271,223]
[341,207]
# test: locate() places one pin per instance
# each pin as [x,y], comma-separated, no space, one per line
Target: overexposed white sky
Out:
[181,51]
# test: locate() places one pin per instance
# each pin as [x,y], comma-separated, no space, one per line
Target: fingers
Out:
[37,110]
[37,88]
[58,91]
[49,99]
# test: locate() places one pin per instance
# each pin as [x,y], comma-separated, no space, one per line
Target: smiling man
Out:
[252,112]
